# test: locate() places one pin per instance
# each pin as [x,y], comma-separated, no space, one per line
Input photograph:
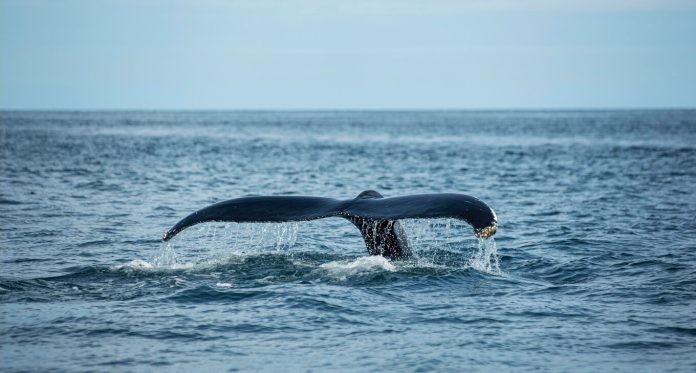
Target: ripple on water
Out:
[593,265]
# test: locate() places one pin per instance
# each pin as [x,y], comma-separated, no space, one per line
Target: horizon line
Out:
[356,109]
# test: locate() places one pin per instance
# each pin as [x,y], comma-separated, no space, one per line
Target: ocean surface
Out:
[593,267]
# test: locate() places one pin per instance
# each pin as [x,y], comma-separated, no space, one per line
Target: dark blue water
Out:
[593,267]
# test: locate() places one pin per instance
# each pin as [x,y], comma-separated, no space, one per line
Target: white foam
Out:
[133,264]
[138,264]
[342,269]
[224,285]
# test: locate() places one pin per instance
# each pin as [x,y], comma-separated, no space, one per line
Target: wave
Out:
[166,275]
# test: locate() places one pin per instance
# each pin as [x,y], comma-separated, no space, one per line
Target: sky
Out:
[214,54]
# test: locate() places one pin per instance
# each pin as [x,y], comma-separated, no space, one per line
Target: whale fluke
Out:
[375,216]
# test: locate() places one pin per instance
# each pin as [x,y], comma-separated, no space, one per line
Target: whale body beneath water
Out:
[376,217]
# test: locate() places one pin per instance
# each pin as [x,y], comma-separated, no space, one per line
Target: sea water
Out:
[593,266]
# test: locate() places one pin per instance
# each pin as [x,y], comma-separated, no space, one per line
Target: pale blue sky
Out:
[347,54]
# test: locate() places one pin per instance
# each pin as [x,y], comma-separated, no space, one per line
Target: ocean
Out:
[593,267]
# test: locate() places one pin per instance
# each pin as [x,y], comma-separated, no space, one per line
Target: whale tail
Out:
[375,216]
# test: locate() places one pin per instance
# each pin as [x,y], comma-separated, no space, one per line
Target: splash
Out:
[210,242]
[245,236]
[486,258]
[436,243]
[430,233]
[165,257]
[212,245]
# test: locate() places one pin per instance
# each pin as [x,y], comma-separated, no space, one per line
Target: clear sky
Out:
[214,54]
